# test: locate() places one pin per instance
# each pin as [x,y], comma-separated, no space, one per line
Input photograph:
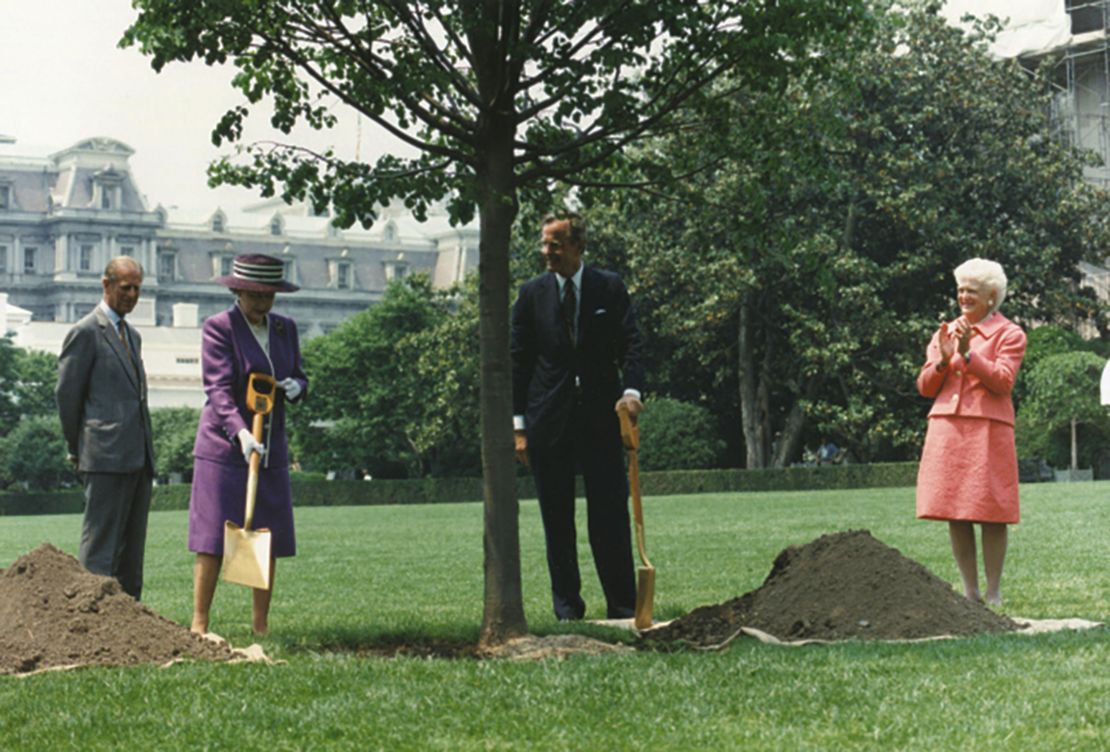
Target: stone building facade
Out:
[63,216]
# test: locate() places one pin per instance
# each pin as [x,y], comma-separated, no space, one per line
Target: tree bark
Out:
[795,422]
[1074,449]
[503,610]
[750,421]
[791,434]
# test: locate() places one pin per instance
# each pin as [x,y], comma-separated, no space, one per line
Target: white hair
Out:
[987,273]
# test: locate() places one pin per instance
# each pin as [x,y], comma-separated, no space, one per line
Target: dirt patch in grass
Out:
[56,614]
[533,648]
[526,648]
[842,586]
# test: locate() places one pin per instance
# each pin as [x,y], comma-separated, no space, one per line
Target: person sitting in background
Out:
[827,452]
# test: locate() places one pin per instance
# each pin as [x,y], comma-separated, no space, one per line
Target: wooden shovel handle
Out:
[630,435]
[630,432]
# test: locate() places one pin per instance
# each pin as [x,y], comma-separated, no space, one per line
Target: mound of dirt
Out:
[841,586]
[54,613]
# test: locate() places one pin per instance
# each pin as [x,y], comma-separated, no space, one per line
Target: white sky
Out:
[63,79]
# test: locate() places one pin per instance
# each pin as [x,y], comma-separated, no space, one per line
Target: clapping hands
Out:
[953,337]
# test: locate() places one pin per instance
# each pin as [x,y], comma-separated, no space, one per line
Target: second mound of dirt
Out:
[839,587]
[55,613]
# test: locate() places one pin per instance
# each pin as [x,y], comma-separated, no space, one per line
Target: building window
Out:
[275,226]
[389,234]
[29,254]
[84,258]
[5,197]
[287,274]
[395,270]
[343,276]
[127,250]
[218,223]
[227,265]
[3,259]
[167,266]
[105,198]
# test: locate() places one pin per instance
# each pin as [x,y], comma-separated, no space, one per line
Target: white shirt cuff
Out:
[518,422]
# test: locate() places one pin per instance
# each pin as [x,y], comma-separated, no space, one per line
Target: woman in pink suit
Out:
[248,337]
[969,469]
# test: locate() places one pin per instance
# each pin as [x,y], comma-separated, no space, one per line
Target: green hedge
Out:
[309,491]
[42,502]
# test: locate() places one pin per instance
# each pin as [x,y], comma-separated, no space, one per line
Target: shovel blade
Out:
[246,556]
[645,596]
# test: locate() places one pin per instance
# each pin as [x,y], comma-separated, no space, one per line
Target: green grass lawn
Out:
[374,575]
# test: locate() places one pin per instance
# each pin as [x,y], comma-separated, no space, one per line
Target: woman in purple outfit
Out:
[245,338]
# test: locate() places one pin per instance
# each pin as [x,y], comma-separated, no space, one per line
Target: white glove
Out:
[291,386]
[248,445]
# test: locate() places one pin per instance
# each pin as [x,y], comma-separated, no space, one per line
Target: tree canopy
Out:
[808,268]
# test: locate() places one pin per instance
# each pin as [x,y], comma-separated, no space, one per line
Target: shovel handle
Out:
[252,476]
[630,432]
[630,435]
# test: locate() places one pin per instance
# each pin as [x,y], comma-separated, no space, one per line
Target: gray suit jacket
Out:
[101,396]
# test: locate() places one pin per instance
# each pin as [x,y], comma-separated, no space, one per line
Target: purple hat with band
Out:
[257,272]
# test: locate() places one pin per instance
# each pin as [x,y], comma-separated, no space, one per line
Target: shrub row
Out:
[313,491]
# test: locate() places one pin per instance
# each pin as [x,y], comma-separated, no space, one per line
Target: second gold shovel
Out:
[645,574]
[247,551]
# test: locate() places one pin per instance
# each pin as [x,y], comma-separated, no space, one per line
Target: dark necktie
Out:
[126,340]
[570,303]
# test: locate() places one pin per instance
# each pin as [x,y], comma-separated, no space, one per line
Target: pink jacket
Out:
[980,388]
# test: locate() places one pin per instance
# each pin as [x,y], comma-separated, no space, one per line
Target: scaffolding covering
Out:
[1033,27]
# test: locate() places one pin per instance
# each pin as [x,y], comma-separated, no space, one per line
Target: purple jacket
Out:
[229,353]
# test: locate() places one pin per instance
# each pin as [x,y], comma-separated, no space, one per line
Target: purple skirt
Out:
[220,493]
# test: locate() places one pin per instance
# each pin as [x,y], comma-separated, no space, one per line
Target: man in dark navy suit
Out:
[576,356]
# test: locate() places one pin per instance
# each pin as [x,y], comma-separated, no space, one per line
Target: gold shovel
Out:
[645,575]
[246,551]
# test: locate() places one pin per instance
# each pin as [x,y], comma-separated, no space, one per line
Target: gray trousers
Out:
[113,534]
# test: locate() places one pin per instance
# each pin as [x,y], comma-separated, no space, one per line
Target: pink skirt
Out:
[968,471]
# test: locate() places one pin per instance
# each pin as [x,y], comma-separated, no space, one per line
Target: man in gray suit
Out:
[102,403]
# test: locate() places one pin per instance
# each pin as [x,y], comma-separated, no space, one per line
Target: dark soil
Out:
[843,586]
[54,613]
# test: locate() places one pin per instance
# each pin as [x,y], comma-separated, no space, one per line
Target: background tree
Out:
[364,387]
[676,435]
[1062,393]
[27,382]
[175,433]
[498,97]
[33,456]
[444,359]
[808,268]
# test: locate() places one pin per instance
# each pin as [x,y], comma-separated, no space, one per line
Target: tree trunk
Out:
[791,434]
[750,421]
[1074,449]
[503,611]
[791,437]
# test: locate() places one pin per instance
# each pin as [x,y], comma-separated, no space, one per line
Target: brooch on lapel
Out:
[279,327]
